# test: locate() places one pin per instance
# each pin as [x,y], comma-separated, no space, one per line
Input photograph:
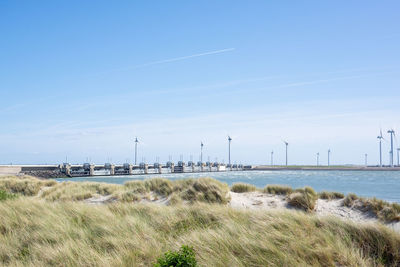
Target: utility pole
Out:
[272,158]
[391,147]
[201,152]
[286,143]
[380,137]
[318,159]
[136,142]
[229,150]
[329,154]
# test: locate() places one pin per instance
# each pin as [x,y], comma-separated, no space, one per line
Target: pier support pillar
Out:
[66,169]
[130,170]
[91,170]
[112,169]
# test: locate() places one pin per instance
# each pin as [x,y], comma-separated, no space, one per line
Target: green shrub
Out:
[185,257]
[5,195]
[278,189]
[304,198]
[330,195]
[242,187]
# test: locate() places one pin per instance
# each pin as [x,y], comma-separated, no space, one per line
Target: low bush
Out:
[5,195]
[304,199]
[242,187]
[185,257]
[330,195]
[278,189]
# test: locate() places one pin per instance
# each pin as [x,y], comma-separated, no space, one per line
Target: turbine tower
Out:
[380,137]
[286,143]
[272,158]
[366,160]
[229,150]
[136,142]
[329,154]
[318,159]
[391,147]
[398,161]
[201,152]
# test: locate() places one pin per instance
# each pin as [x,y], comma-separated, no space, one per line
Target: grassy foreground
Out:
[36,232]
[46,223]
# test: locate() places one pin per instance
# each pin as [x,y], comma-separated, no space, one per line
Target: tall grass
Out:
[330,195]
[191,190]
[304,198]
[278,189]
[37,233]
[242,187]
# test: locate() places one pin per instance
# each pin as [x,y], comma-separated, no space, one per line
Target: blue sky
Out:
[82,78]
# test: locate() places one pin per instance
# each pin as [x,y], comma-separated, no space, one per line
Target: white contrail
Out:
[173,59]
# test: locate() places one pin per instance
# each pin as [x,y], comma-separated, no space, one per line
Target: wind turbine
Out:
[398,161]
[329,154]
[136,143]
[366,160]
[201,152]
[318,159]
[272,158]
[380,137]
[229,150]
[391,147]
[286,143]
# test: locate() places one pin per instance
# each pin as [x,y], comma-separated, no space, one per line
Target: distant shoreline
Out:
[321,168]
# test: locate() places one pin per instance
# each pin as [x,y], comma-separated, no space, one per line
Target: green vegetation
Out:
[388,212]
[185,257]
[52,227]
[330,195]
[278,189]
[242,187]
[5,195]
[36,233]
[304,198]
[190,190]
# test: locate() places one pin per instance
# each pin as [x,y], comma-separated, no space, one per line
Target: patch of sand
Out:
[263,201]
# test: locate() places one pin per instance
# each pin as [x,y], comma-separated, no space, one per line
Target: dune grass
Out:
[303,198]
[388,212]
[242,187]
[330,195]
[190,190]
[278,189]
[37,233]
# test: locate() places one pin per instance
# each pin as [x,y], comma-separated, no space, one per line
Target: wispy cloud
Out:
[169,60]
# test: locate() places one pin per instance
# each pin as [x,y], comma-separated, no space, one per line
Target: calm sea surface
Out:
[381,184]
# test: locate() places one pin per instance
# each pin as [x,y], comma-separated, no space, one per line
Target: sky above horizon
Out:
[80,79]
